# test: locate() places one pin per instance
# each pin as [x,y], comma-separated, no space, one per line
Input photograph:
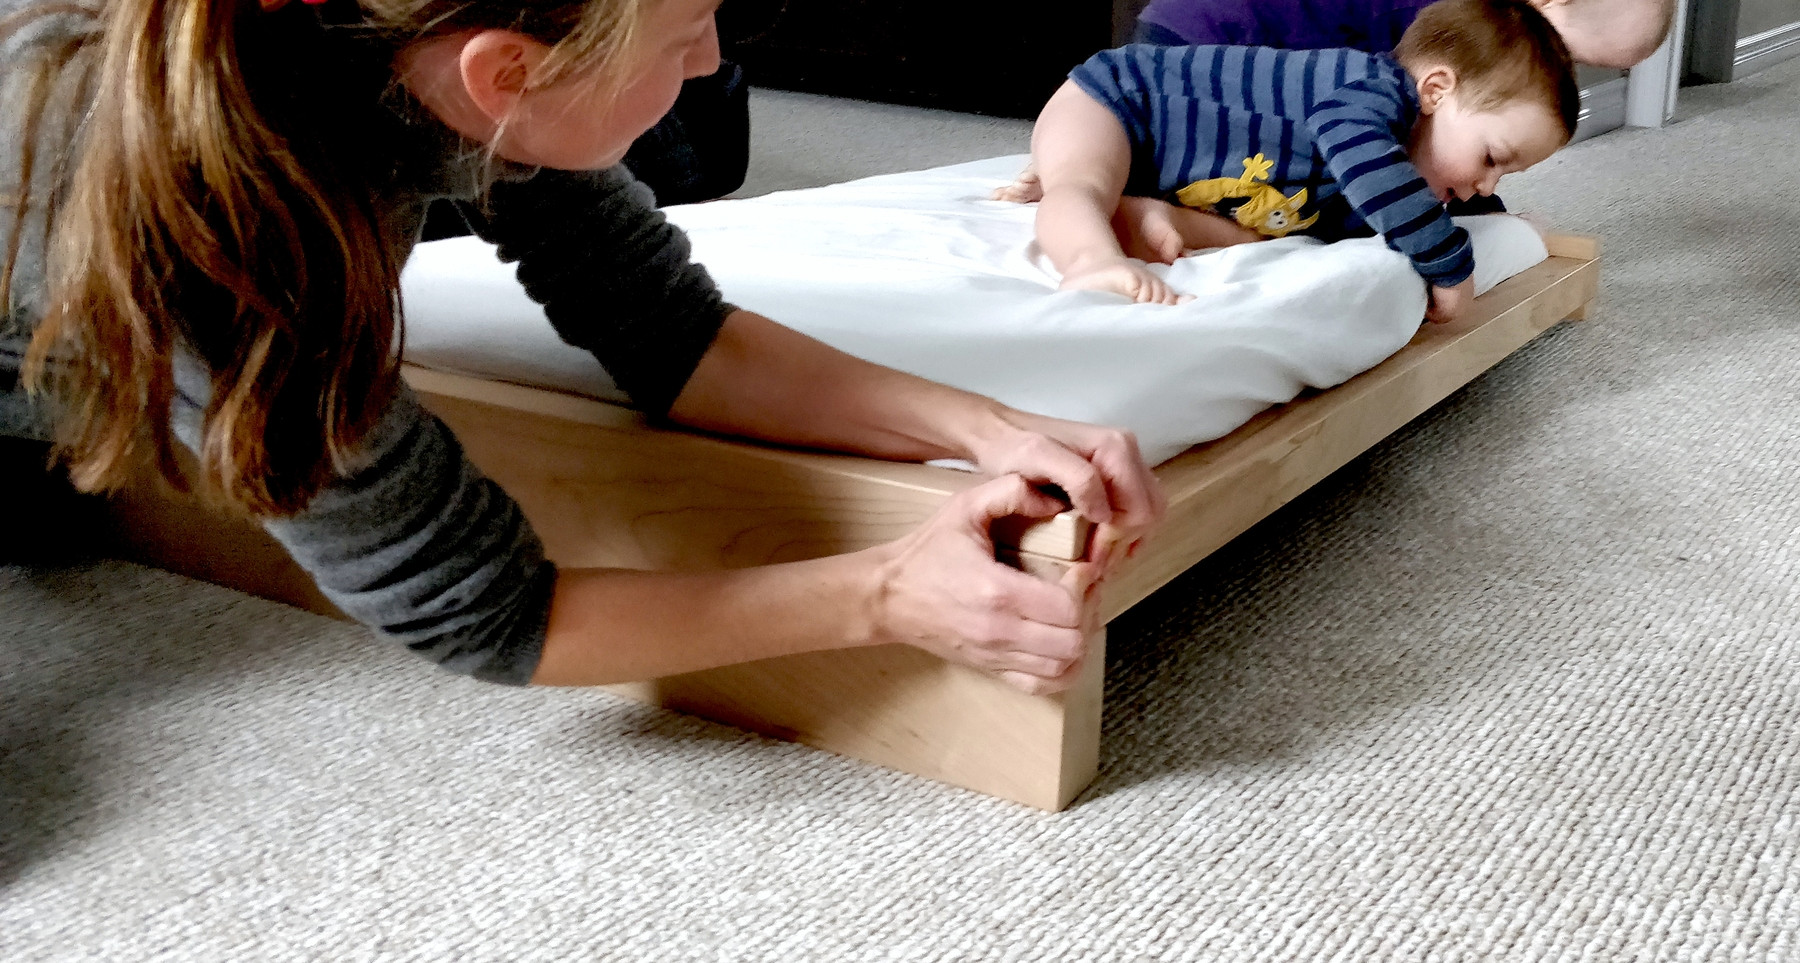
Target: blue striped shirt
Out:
[1333,122]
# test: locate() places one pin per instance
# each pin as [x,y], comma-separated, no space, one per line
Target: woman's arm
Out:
[938,588]
[414,542]
[614,277]
[766,381]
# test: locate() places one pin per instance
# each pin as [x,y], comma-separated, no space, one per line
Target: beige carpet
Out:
[1522,684]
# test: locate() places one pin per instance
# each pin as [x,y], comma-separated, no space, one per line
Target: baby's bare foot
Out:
[1146,230]
[1025,189]
[1122,276]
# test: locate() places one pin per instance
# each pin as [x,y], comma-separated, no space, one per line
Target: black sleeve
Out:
[410,540]
[1490,204]
[417,544]
[612,274]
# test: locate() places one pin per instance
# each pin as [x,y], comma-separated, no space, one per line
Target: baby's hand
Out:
[1449,303]
[1123,276]
[1027,188]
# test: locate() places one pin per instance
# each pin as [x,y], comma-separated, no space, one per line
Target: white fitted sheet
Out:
[920,271]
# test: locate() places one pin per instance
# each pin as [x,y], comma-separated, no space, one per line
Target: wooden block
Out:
[1581,247]
[604,489]
[1043,566]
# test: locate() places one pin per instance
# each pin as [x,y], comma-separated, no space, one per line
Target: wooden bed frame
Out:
[604,489]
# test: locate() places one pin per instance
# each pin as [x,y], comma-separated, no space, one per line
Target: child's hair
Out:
[1501,50]
[216,196]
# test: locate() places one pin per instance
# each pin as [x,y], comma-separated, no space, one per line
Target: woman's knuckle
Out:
[1029,684]
[991,597]
[992,631]
[1066,645]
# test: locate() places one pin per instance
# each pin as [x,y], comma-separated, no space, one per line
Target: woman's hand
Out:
[1098,468]
[940,589]
[937,588]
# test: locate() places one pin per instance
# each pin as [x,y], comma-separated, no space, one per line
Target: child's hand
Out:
[1123,276]
[1027,188]
[1449,303]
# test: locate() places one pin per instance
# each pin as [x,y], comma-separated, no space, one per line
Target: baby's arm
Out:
[1356,135]
[1082,158]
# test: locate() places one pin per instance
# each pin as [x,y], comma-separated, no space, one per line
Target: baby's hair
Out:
[1500,50]
[215,196]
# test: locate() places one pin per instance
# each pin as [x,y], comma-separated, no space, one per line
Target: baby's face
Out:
[1463,152]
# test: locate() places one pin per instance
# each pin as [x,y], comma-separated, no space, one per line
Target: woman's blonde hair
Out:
[210,190]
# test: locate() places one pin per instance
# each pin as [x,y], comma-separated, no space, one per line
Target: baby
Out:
[1257,142]
[1603,33]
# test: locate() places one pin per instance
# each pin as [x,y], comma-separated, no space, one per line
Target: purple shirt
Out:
[1370,25]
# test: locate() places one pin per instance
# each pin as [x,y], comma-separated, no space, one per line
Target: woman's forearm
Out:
[938,588]
[766,381]
[763,380]
[614,625]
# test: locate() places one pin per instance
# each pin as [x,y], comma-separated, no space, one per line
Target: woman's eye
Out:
[1490,160]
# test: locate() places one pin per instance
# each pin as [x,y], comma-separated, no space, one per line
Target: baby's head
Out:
[1610,33]
[1497,92]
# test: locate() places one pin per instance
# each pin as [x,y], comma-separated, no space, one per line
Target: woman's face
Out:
[577,124]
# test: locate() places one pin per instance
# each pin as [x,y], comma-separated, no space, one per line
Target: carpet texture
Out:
[1523,683]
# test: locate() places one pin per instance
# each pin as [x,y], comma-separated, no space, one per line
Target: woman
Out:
[215,200]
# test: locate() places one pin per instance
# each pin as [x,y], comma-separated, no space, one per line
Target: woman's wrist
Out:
[611,625]
[981,427]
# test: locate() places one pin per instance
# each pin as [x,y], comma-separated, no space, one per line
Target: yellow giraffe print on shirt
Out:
[1265,209]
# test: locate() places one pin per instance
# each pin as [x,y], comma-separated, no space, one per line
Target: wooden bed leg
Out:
[902,708]
[156,526]
[1581,311]
[1082,706]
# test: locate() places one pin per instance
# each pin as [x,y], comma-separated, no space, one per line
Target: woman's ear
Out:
[1435,85]
[497,67]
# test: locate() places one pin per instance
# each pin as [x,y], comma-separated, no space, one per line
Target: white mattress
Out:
[921,272]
